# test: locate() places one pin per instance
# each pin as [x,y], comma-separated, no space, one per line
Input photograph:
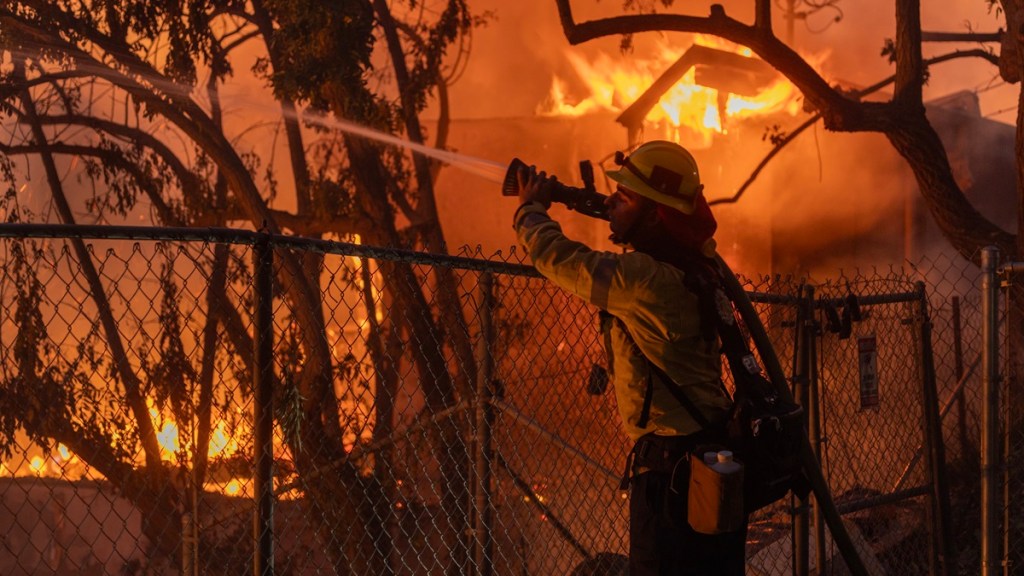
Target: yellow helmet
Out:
[662,171]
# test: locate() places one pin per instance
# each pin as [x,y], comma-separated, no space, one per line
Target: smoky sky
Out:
[514,57]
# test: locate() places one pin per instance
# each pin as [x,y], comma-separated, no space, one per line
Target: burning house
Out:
[825,202]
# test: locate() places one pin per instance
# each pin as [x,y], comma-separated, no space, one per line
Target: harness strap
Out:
[677,393]
[645,412]
[628,472]
[676,390]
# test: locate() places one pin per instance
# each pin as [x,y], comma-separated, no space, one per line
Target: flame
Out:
[61,462]
[614,84]
[221,444]
[166,433]
[233,488]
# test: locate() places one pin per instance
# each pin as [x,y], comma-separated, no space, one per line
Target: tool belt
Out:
[656,453]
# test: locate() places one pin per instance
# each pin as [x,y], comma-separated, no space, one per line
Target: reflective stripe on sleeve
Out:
[603,273]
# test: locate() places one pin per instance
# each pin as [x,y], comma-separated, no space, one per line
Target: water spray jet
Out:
[586,200]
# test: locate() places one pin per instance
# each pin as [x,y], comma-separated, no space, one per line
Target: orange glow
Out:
[293,494]
[233,488]
[615,83]
[173,439]
[221,444]
[168,435]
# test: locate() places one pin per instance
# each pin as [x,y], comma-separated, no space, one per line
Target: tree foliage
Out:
[123,98]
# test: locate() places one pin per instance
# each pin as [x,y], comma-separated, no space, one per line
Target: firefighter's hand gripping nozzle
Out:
[587,200]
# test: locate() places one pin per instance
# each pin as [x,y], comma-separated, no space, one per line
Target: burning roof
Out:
[726,72]
[687,95]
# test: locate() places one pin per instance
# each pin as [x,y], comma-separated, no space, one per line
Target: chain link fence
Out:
[432,414]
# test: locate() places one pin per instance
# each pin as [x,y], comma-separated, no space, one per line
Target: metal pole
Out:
[990,413]
[483,545]
[1009,271]
[958,371]
[188,546]
[263,519]
[942,550]
[814,427]
[801,525]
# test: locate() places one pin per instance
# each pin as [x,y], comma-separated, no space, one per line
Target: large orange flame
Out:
[615,83]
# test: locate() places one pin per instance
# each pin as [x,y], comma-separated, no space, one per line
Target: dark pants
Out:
[661,542]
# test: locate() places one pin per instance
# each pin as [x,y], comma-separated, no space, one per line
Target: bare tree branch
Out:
[976,53]
[839,112]
[190,183]
[982,37]
[110,158]
[903,121]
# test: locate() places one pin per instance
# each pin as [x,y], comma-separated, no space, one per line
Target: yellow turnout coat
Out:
[651,312]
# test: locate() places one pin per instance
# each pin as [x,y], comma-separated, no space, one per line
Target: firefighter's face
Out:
[625,209]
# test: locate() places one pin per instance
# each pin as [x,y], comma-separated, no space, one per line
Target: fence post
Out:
[263,412]
[483,544]
[188,545]
[801,526]
[942,548]
[966,445]
[814,425]
[990,412]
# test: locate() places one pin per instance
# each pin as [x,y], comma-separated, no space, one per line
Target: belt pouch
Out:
[715,497]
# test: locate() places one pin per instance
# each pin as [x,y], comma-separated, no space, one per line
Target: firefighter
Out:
[651,321]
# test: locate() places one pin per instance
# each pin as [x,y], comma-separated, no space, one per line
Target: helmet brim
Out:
[629,180]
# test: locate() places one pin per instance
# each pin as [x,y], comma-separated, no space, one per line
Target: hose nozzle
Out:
[587,201]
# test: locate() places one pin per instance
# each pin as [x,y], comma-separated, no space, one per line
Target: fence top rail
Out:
[872,299]
[863,300]
[772,298]
[252,237]
[1011,268]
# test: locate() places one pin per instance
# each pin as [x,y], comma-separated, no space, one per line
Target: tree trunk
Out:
[962,225]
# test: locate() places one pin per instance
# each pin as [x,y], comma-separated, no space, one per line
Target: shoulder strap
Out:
[708,287]
[715,307]
[676,390]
